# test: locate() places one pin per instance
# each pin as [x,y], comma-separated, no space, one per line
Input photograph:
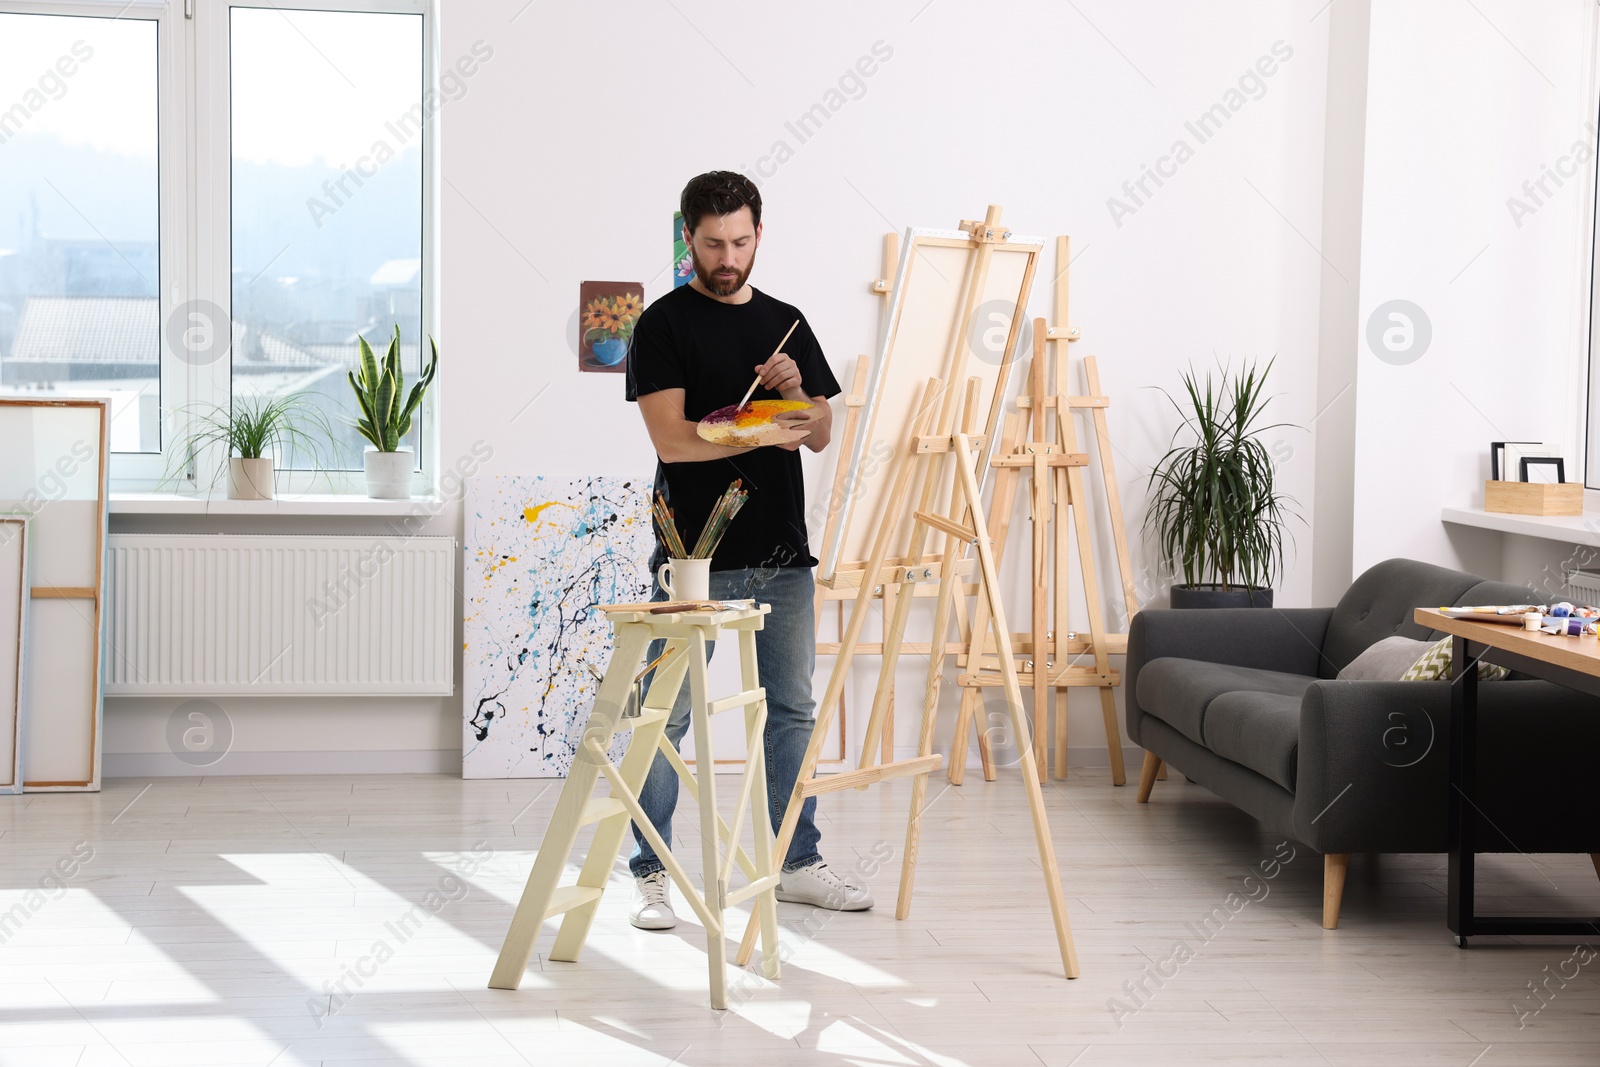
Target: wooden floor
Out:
[325,920]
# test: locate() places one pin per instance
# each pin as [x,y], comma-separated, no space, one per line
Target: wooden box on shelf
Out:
[1533,498]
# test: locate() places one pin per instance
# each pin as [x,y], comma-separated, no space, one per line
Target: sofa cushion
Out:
[1178,691]
[1386,661]
[1260,731]
[1381,604]
[1434,665]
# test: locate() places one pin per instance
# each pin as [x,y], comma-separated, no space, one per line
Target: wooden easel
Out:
[1056,498]
[944,449]
[854,400]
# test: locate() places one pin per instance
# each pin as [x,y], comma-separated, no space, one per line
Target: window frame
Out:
[173,224]
[194,166]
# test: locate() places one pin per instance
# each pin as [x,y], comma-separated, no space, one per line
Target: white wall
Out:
[564,159]
[1464,105]
[560,167]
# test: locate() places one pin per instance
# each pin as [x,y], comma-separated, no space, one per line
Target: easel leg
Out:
[1108,712]
[1061,732]
[562,833]
[896,613]
[957,771]
[985,748]
[1019,722]
[1041,831]
[710,854]
[766,908]
[886,749]
[1040,504]
[930,714]
[886,744]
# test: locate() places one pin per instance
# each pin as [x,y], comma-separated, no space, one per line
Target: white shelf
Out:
[288,505]
[1572,529]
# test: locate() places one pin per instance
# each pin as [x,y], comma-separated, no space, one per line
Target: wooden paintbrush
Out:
[748,393]
[722,513]
[668,527]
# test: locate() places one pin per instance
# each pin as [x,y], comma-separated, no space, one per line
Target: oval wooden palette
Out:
[751,425]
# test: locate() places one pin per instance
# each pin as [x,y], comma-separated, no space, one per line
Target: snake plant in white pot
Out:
[386,412]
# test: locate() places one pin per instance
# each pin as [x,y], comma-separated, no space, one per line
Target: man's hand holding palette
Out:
[754,424]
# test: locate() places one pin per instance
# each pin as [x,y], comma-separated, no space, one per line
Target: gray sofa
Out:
[1246,703]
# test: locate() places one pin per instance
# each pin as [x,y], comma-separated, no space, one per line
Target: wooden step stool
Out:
[686,633]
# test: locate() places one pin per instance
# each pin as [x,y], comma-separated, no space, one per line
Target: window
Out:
[80,242]
[201,212]
[327,204]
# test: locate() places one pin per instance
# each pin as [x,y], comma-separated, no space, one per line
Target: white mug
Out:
[686,579]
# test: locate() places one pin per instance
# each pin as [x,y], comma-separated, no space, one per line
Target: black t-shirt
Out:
[687,340]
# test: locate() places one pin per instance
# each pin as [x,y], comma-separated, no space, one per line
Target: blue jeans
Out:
[786,652]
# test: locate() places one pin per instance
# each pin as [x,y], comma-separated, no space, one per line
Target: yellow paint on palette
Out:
[532,514]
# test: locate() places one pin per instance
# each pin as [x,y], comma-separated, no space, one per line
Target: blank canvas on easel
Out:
[13,646]
[917,344]
[55,472]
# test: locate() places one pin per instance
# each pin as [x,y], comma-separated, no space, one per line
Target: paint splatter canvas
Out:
[541,555]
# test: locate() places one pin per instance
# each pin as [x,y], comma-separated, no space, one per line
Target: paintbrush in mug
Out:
[667,526]
[726,507]
[727,518]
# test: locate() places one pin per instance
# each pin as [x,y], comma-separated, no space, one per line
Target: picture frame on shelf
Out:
[1545,470]
[1516,451]
[1498,467]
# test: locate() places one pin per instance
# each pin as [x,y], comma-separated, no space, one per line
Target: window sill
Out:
[288,504]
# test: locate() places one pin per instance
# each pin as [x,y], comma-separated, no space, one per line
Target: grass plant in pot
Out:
[386,417]
[254,430]
[1216,511]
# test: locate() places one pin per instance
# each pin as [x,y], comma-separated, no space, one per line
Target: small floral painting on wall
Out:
[607,312]
[682,262]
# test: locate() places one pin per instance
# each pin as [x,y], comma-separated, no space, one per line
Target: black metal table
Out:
[1529,653]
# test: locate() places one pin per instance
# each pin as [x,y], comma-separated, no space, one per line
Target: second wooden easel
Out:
[838,594]
[933,501]
[1057,498]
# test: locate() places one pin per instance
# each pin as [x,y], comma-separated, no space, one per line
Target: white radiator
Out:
[1584,587]
[215,614]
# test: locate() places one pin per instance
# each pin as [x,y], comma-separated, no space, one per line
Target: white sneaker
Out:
[821,886]
[652,908]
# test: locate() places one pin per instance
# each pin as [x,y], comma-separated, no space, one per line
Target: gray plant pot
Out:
[1214,596]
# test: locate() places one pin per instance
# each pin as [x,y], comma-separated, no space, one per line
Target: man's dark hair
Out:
[718,192]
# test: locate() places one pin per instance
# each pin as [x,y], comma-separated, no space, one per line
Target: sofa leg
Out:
[1594,858]
[1147,776]
[1333,868]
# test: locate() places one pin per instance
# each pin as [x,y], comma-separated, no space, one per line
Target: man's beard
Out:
[720,286]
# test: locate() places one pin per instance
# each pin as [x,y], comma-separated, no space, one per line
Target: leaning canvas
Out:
[541,554]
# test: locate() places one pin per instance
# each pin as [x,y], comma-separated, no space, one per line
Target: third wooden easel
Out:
[1040,439]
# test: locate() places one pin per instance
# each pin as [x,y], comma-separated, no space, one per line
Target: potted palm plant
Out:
[1216,510]
[386,417]
[254,430]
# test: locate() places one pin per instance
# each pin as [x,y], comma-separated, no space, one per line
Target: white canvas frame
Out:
[62,670]
[13,562]
[905,359]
